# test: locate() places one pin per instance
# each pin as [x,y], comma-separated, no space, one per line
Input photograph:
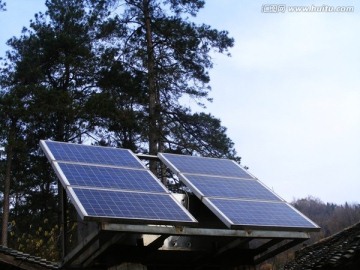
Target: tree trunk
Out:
[153,99]
[6,203]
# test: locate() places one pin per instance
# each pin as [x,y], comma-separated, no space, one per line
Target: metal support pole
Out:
[63,223]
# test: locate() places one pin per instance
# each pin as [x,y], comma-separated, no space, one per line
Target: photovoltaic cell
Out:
[129,205]
[206,166]
[267,214]
[93,154]
[110,177]
[215,186]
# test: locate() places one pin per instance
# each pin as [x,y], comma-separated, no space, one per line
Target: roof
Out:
[15,260]
[339,251]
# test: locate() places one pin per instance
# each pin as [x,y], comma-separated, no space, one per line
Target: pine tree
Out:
[157,39]
[48,75]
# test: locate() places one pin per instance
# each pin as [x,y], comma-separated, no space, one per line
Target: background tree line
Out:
[331,217]
[108,72]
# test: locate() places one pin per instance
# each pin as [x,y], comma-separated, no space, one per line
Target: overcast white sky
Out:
[289,95]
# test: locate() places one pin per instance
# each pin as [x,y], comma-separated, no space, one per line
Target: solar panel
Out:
[109,177]
[130,206]
[242,213]
[91,154]
[207,166]
[233,195]
[216,186]
[112,184]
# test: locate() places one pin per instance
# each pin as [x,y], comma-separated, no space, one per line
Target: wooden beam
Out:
[233,244]
[93,254]
[85,244]
[276,251]
[157,243]
[263,248]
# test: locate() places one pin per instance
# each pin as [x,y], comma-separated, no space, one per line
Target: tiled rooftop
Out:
[335,252]
[27,258]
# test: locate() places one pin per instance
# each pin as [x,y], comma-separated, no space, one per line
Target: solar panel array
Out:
[236,197]
[112,184]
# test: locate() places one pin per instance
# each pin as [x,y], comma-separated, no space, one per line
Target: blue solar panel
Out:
[130,206]
[207,166]
[266,214]
[92,154]
[229,187]
[110,177]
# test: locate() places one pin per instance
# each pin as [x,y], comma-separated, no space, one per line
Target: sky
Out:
[289,94]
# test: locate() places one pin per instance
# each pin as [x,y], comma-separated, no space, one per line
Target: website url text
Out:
[280,8]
